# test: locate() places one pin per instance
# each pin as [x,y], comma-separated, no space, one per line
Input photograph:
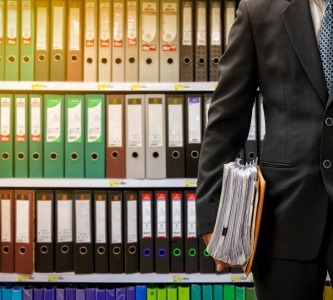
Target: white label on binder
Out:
[90,24]
[175,123]
[94,120]
[161,216]
[65,222]
[155,124]
[116,235]
[176,216]
[41,28]
[115,122]
[216,24]
[146,216]
[100,221]
[74,31]
[11,23]
[132,234]
[58,27]
[149,26]
[134,125]
[22,221]
[44,219]
[82,219]
[5,120]
[131,23]
[74,120]
[201,38]
[35,121]
[194,120]
[187,24]
[26,22]
[118,25]
[1,22]
[105,25]
[5,221]
[229,17]
[169,26]
[191,216]
[20,120]
[252,132]
[53,120]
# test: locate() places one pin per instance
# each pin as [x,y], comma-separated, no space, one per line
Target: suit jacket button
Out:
[327,164]
[329,122]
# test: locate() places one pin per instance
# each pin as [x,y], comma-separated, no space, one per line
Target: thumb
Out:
[219,265]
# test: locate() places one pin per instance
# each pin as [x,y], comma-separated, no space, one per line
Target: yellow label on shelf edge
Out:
[135,86]
[52,278]
[251,277]
[235,278]
[179,86]
[102,86]
[215,86]
[114,182]
[177,278]
[22,277]
[36,86]
[190,183]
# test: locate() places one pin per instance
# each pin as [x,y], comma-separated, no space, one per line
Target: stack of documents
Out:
[239,214]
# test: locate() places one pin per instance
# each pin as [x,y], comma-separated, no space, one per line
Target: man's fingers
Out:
[219,265]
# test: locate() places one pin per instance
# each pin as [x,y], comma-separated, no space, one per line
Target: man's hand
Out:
[219,264]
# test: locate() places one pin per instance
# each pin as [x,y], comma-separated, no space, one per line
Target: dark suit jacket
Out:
[272,45]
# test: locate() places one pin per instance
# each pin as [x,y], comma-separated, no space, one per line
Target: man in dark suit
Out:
[286,49]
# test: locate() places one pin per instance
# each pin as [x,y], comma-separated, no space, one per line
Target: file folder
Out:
[12,48]
[186,64]
[229,291]
[240,292]
[169,41]
[191,237]
[60,294]
[161,293]
[24,232]
[115,132]
[58,70]
[38,294]
[149,69]
[49,294]
[146,227]
[130,293]
[70,293]
[196,292]
[176,231]
[175,150]
[54,136]
[2,39]
[132,41]
[201,41]
[110,294]
[74,49]
[42,45]
[27,294]
[64,228]
[217,291]
[116,213]
[229,15]
[118,47]
[27,52]
[120,293]
[105,38]
[80,294]
[90,41]
[156,136]
[74,136]
[172,292]
[206,262]
[215,38]
[16,294]
[251,149]
[36,136]
[193,117]
[7,264]
[250,293]
[95,136]
[21,132]
[135,136]
[83,246]
[90,293]
[131,232]
[44,248]
[207,292]
[261,123]
[162,231]
[151,293]
[141,292]
[6,136]
[183,292]
[100,294]
[101,231]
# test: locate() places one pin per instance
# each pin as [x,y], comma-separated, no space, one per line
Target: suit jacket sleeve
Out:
[229,117]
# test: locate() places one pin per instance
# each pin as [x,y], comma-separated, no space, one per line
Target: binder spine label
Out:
[5,219]
[12,22]
[149,26]
[134,123]
[161,216]
[253,131]
[155,120]
[82,219]
[132,234]
[58,24]
[53,120]
[216,24]
[64,221]
[169,26]
[100,221]
[105,25]
[115,122]
[74,120]
[22,218]
[1,22]
[118,25]
[201,29]
[131,23]
[146,216]
[194,120]
[74,32]
[35,122]
[90,22]
[44,219]
[41,28]
[116,223]
[26,22]
[20,120]
[176,216]
[5,120]
[175,122]
[187,24]
[229,18]
[94,120]
[191,216]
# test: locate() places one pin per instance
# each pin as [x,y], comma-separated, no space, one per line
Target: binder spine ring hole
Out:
[118,61]
[195,154]
[116,250]
[89,60]
[187,60]
[11,59]
[57,57]
[104,60]
[201,60]
[131,60]
[5,156]
[252,155]
[94,156]
[41,57]
[74,58]
[26,59]
[155,154]
[132,250]
[35,156]
[170,61]
[115,154]
[135,154]
[192,252]
[64,249]
[44,249]
[101,250]
[147,252]
[74,156]
[20,156]
[177,252]
[162,252]
[5,249]
[22,250]
[215,60]
[83,250]
[149,61]
[175,154]
[205,253]
[53,156]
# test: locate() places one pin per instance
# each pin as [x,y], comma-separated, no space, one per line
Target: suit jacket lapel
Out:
[298,22]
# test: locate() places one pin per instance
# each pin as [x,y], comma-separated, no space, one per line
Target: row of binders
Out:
[139,292]
[151,136]
[113,40]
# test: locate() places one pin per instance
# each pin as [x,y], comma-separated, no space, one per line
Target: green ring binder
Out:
[192,252]
[177,252]
[206,253]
